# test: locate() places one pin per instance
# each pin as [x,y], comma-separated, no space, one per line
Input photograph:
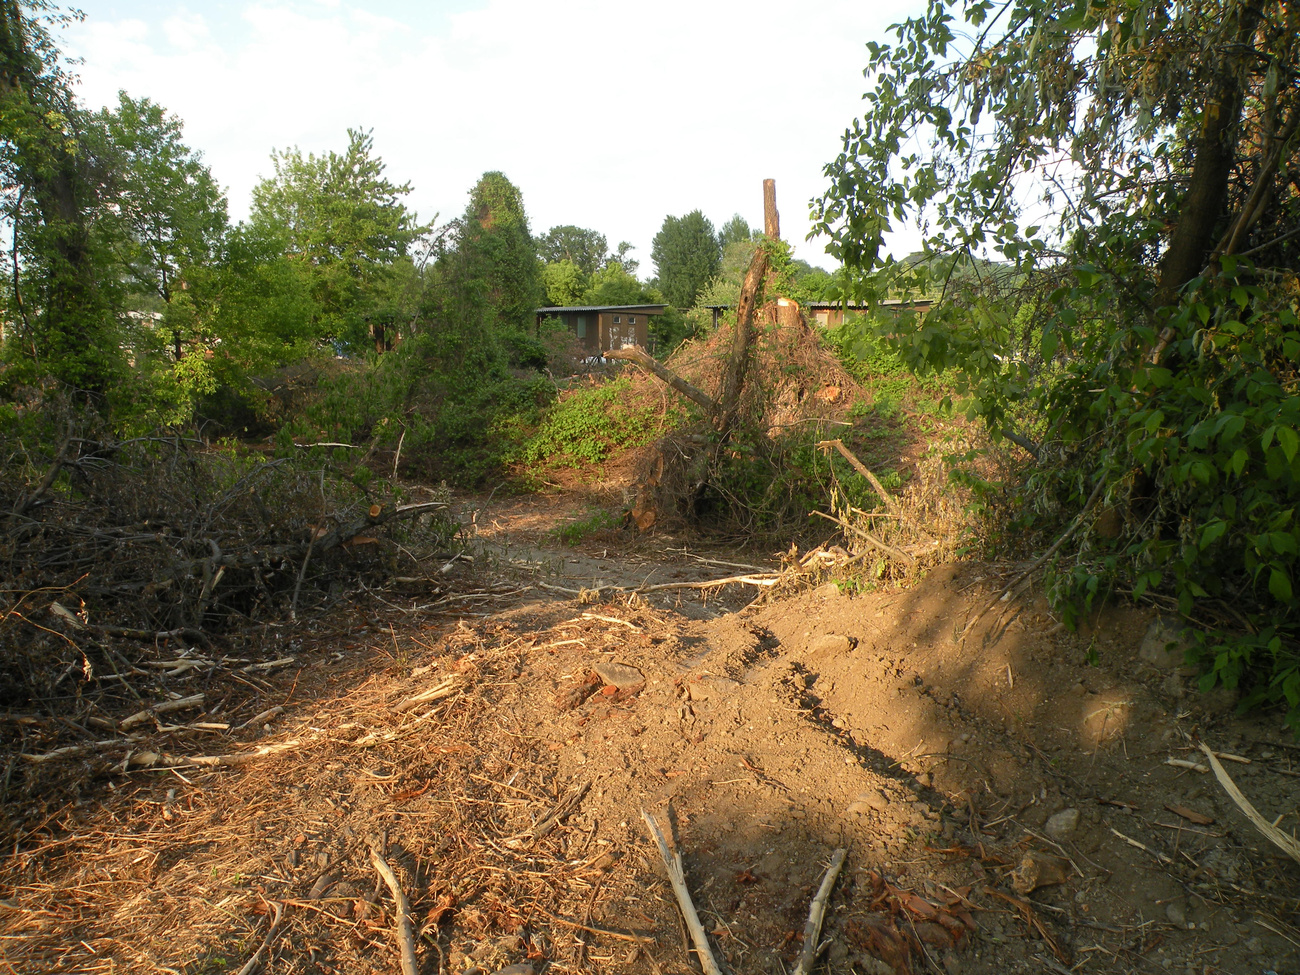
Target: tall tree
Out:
[735,231]
[686,255]
[492,275]
[60,289]
[586,249]
[341,216]
[1136,163]
[167,213]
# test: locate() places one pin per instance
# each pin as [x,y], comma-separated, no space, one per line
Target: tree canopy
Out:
[341,216]
[686,255]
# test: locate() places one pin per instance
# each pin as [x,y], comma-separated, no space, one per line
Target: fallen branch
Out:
[812,931]
[677,877]
[141,716]
[767,579]
[1284,842]
[405,931]
[436,693]
[254,963]
[22,507]
[890,501]
[637,356]
[896,554]
[235,759]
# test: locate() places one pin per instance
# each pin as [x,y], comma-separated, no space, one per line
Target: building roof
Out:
[648,309]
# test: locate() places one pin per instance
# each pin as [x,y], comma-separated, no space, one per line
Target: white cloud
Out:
[606,115]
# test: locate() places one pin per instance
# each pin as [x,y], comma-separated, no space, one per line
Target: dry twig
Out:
[677,877]
[812,930]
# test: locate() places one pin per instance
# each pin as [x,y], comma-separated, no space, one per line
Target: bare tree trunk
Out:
[1207,193]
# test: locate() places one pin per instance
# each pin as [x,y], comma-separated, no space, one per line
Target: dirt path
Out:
[501,736]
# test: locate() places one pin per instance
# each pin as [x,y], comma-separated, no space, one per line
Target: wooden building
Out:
[603,327]
[831,314]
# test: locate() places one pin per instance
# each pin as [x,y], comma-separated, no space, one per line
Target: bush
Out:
[590,423]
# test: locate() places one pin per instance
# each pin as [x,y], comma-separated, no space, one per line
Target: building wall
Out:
[618,329]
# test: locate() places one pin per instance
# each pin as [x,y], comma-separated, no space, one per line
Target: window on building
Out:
[631,319]
[581,324]
[617,320]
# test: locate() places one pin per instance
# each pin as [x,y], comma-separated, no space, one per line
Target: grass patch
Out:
[588,424]
[577,531]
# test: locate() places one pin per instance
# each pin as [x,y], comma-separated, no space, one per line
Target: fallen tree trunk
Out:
[647,362]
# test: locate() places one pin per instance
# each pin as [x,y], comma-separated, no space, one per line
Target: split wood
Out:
[677,877]
[405,930]
[1286,843]
[812,931]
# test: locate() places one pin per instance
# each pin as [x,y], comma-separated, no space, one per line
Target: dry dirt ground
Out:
[498,731]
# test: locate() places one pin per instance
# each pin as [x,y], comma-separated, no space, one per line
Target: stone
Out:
[711,688]
[1165,644]
[520,969]
[871,800]
[626,678]
[1176,914]
[1061,825]
[830,645]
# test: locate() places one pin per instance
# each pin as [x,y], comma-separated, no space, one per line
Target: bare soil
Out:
[768,732]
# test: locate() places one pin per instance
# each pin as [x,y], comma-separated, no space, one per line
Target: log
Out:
[647,362]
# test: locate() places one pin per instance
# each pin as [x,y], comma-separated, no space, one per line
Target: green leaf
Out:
[1212,533]
[1279,584]
[1289,441]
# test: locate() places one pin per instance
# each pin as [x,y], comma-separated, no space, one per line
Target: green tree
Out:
[586,249]
[61,295]
[167,213]
[345,220]
[564,281]
[1134,164]
[613,285]
[686,255]
[491,274]
[736,230]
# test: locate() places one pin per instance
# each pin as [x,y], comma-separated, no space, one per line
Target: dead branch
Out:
[812,931]
[894,553]
[254,963]
[677,877]
[1279,839]
[890,501]
[647,362]
[766,579]
[405,931]
[166,706]
[26,504]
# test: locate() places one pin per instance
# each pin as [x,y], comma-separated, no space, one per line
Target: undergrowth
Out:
[588,424]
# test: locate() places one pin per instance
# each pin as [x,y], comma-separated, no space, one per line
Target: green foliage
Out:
[584,249]
[489,278]
[168,214]
[614,285]
[1155,371]
[588,424]
[565,283]
[345,222]
[686,255]
[576,531]
[736,231]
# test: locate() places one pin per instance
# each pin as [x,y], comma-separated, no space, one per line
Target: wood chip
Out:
[1191,815]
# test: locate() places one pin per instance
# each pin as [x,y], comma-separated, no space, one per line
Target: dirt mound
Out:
[502,747]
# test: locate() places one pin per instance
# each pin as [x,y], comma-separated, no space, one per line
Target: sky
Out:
[608,115]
